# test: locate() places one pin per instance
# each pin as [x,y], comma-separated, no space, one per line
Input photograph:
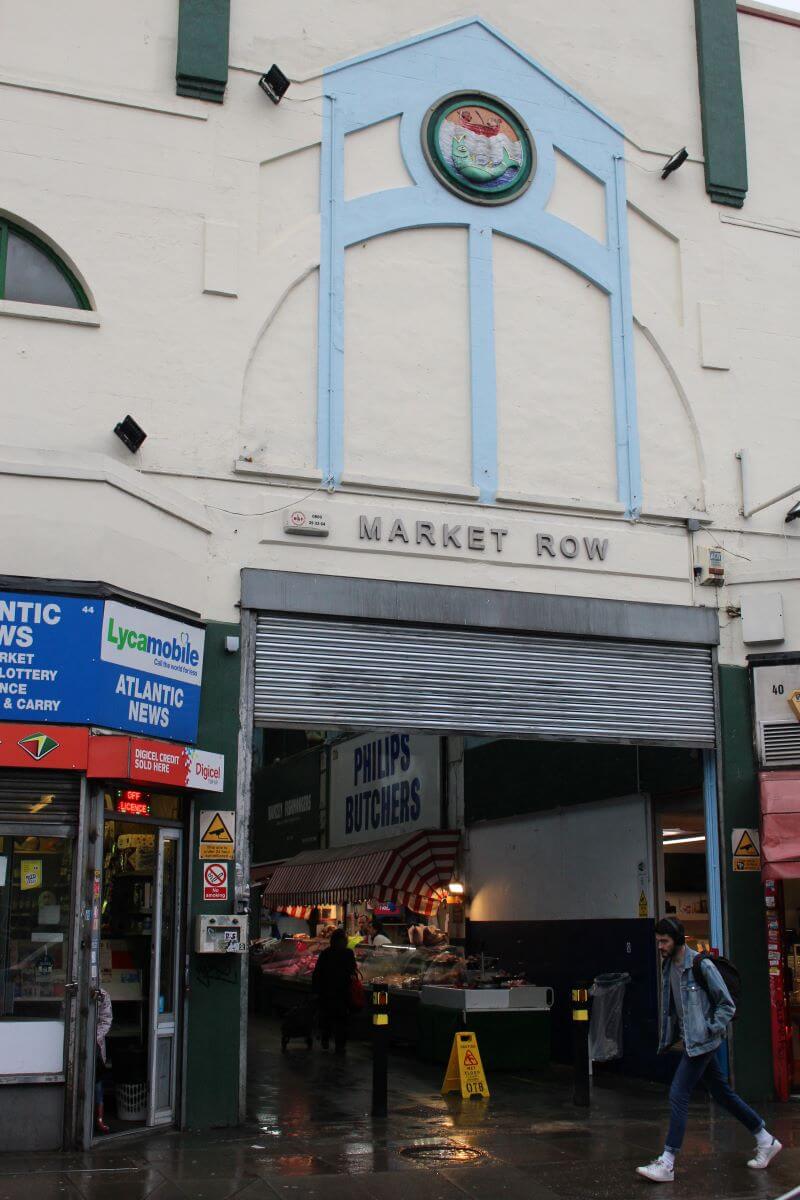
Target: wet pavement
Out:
[310,1137]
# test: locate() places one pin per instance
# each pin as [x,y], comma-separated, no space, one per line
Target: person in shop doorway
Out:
[377,936]
[105,1017]
[331,984]
[694,1022]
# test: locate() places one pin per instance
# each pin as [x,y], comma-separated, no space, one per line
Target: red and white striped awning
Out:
[780,824]
[414,871]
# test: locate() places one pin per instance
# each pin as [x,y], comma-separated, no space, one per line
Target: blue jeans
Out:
[689,1073]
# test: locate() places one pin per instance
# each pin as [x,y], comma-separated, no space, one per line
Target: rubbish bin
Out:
[605,1026]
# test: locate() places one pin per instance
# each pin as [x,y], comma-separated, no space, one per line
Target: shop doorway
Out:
[139,865]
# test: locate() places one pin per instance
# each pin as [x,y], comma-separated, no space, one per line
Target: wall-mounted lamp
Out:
[232,645]
[672,164]
[455,888]
[793,513]
[274,83]
[130,433]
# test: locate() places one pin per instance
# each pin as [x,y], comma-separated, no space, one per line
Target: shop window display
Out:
[35,891]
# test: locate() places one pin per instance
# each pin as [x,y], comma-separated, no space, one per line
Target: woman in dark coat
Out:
[331,983]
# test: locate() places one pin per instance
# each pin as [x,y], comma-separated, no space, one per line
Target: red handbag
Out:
[357,998]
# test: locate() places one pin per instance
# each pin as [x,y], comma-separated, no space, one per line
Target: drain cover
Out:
[442,1152]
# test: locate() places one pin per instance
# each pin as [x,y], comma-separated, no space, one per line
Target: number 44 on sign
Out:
[465,1069]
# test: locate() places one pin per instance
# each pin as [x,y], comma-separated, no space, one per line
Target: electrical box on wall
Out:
[224,934]
[709,566]
[762,617]
[776,692]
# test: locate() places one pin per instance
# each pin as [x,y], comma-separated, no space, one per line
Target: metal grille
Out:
[313,673]
[780,744]
[40,797]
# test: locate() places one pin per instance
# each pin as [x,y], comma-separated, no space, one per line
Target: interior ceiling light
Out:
[677,160]
[700,837]
[455,888]
[673,832]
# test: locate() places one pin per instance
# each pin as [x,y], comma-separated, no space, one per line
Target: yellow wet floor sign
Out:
[465,1069]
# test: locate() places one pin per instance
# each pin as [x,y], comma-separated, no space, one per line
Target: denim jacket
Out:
[706,1015]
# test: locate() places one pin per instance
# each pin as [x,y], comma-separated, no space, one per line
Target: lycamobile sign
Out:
[151,643]
[79,660]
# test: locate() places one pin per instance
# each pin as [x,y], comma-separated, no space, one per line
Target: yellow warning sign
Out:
[216,835]
[465,1070]
[643,909]
[746,847]
[794,703]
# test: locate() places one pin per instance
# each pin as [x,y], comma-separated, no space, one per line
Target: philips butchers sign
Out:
[81,661]
[383,785]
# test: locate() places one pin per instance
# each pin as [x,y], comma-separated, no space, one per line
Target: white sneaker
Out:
[657,1172]
[765,1155]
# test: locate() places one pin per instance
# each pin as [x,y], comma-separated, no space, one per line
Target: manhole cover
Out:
[560,1129]
[442,1153]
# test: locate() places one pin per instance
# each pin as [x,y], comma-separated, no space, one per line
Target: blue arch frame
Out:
[405,80]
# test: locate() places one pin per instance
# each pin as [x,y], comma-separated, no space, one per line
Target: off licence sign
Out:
[215,881]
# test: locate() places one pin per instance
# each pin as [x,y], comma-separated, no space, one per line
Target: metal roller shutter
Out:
[315,673]
[40,797]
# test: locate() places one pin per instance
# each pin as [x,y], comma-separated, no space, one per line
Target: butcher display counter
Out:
[433,993]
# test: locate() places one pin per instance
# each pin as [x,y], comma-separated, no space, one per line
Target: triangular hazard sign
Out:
[470,1060]
[794,702]
[747,847]
[217,832]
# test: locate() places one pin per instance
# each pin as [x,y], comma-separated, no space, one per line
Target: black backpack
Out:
[730,975]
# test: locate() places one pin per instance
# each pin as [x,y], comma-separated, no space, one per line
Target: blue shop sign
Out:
[79,661]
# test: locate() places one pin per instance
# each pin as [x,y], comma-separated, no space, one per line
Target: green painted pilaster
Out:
[744,893]
[203,32]
[721,100]
[212,1065]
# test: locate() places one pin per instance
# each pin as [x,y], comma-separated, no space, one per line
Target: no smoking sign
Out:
[215,881]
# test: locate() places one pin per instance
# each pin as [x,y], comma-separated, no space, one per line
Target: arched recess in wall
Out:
[673,462]
[555,386]
[407,367]
[279,393]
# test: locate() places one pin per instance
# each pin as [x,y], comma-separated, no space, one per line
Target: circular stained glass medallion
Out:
[479,148]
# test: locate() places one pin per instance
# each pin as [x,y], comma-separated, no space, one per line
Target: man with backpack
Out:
[697,1009]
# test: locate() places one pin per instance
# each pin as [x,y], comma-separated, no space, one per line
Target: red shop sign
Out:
[52,747]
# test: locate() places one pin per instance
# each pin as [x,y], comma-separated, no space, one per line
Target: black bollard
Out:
[380,1048]
[580,1045]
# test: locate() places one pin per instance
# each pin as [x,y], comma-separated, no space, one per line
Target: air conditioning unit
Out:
[776,690]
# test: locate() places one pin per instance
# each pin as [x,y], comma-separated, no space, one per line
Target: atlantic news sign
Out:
[80,661]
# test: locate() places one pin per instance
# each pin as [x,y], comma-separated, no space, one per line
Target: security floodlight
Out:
[274,83]
[673,163]
[793,513]
[130,433]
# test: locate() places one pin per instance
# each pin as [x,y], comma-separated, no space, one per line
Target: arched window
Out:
[33,273]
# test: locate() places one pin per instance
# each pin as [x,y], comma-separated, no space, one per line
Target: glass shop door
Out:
[164,994]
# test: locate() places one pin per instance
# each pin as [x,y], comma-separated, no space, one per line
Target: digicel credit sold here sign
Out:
[83,661]
[111,756]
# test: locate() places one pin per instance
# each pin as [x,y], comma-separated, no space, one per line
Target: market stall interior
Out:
[480,878]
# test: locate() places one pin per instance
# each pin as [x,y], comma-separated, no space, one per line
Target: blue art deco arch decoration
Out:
[405,80]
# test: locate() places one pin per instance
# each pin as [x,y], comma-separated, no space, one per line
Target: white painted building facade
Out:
[196,231]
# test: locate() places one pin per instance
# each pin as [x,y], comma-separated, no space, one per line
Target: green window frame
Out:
[7,227]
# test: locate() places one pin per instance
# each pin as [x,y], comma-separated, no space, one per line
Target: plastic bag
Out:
[605,1026]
